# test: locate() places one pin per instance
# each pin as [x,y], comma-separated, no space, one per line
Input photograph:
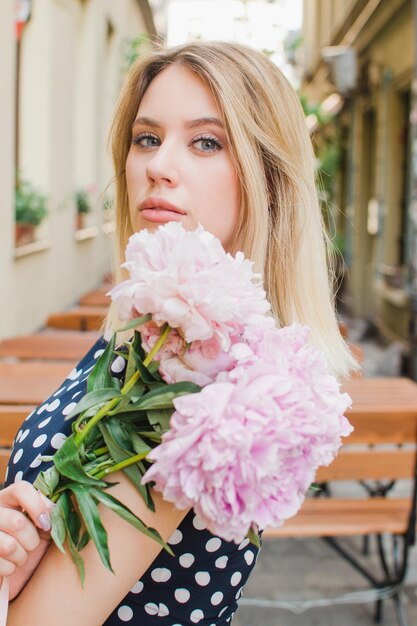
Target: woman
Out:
[206,133]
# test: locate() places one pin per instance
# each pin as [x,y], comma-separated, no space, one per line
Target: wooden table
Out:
[379,399]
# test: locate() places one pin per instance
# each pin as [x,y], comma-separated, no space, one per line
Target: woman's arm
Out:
[54,594]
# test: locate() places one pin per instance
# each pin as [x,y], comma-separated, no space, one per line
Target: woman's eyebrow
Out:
[200,121]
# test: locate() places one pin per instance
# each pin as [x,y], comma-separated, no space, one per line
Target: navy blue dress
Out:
[200,584]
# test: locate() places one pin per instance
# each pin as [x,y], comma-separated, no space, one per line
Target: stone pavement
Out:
[290,570]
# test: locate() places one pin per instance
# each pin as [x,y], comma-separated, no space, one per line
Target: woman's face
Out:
[179,166]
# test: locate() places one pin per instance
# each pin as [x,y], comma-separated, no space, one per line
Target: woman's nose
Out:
[162,167]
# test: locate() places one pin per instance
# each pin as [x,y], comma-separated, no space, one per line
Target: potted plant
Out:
[83,204]
[30,210]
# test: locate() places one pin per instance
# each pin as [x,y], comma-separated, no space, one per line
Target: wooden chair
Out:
[380,451]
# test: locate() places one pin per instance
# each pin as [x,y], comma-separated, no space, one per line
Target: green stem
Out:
[119,466]
[100,451]
[82,434]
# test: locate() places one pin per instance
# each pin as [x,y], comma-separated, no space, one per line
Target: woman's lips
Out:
[158,210]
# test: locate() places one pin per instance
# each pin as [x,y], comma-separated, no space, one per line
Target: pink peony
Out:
[186,279]
[245,449]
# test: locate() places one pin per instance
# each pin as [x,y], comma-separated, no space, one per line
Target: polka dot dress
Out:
[200,584]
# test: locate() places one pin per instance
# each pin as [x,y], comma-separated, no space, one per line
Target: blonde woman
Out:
[206,133]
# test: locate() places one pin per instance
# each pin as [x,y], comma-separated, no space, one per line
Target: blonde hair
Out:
[280,225]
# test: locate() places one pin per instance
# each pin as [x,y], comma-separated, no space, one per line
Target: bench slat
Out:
[80,318]
[330,517]
[31,382]
[11,418]
[59,346]
[372,464]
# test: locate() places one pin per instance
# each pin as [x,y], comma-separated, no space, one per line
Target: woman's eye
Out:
[207,144]
[146,140]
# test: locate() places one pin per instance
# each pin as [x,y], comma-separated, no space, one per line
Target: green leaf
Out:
[253,537]
[85,538]
[58,530]
[121,449]
[94,398]
[73,525]
[122,510]
[159,419]
[47,481]
[138,321]
[139,445]
[162,397]
[100,376]
[92,521]
[77,559]
[68,463]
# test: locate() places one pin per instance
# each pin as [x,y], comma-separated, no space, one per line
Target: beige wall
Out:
[72,67]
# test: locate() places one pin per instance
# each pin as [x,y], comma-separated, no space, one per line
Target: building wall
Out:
[72,66]
[375,116]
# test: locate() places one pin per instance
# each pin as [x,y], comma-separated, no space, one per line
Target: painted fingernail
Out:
[44,521]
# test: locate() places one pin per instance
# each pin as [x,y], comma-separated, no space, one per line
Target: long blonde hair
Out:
[280,225]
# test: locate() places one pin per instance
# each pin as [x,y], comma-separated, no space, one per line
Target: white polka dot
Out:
[182,595]
[163,610]
[235,579]
[72,385]
[30,415]
[244,543]
[18,477]
[18,455]
[196,616]
[76,394]
[137,587]
[186,560]
[98,353]
[69,408]
[39,441]
[19,434]
[41,409]
[249,556]
[118,365]
[74,374]
[24,435]
[202,578]
[125,613]
[224,609]
[57,440]
[160,574]
[221,562]
[44,422]
[216,598]
[213,544]
[239,593]
[53,405]
[7,473]
[36,461]
[60,390]
[151,608]
[88,369]
[175,538]
[198,523]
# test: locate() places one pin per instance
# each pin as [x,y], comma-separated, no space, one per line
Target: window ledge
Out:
[86,233]
[31,248]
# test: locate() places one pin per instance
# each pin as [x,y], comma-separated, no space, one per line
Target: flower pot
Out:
[79,221]
[24,233]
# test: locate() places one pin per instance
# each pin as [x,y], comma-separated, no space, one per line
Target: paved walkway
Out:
[290,570]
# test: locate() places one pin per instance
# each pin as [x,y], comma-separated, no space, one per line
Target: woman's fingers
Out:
[16,526]
[23,496]
[11,550]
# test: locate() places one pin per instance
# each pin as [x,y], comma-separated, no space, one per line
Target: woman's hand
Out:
[24,533]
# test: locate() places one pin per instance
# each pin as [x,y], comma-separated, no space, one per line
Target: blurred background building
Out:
[357,58]
[63,63]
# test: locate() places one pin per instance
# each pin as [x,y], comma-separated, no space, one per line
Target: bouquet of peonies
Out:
[220,410]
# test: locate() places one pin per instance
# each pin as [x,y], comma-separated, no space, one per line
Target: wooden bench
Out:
[96,298]
[68,345]
[380,451]
[31,382]
[80,318]
[11,418]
